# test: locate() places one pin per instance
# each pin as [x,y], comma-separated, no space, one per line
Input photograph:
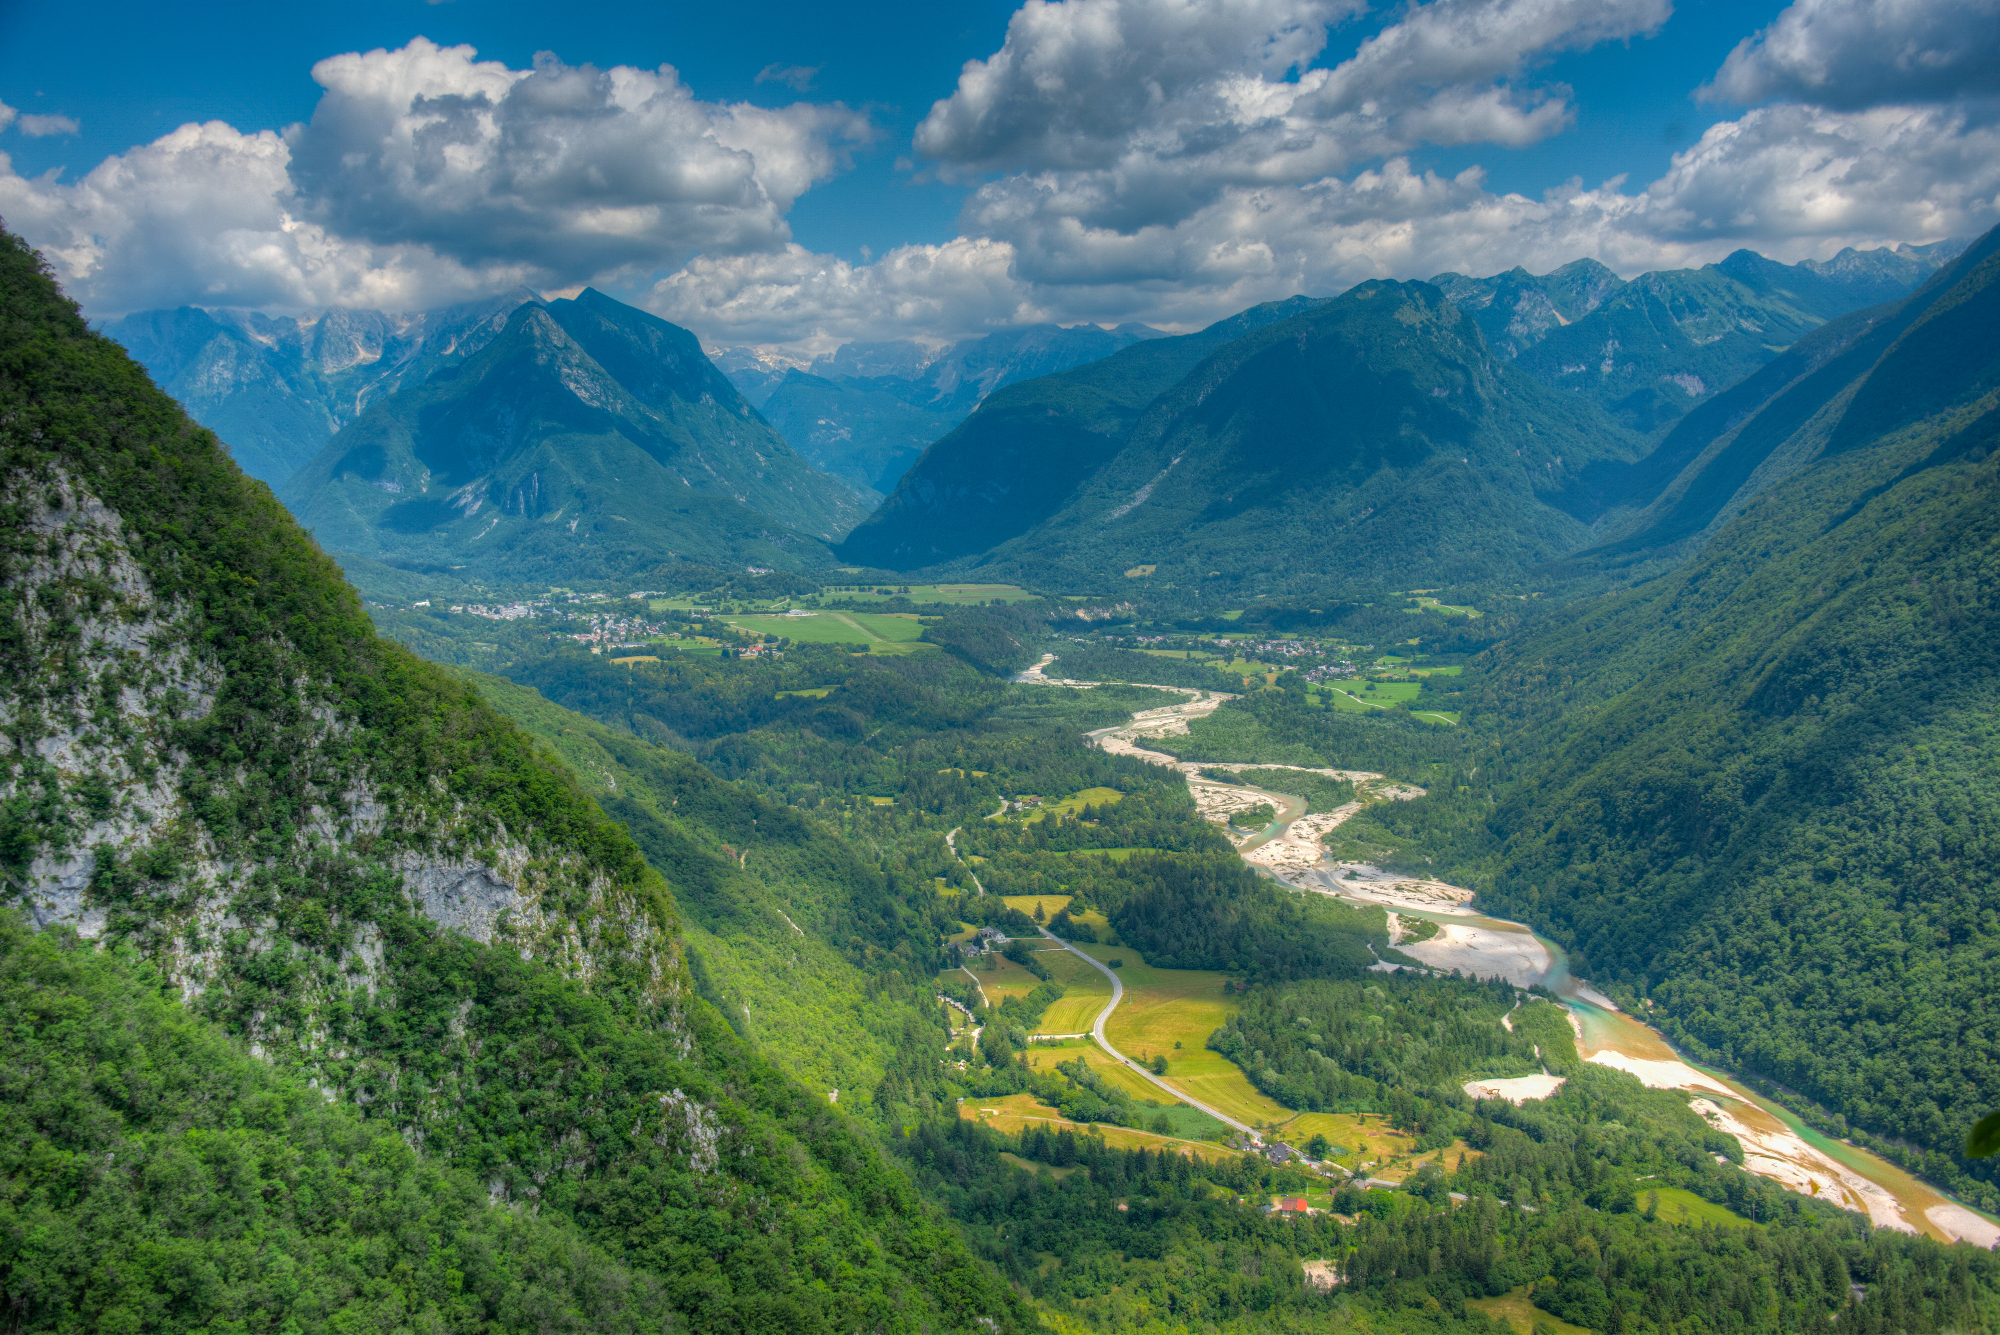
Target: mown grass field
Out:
[1050,904]
[1167,1006]
[1004,979]
[1518,1310]
[1366,1137]
[1085,991]
[1354,694]
[1076,802]
[1048,1056]
[1017,1112]
[1680,1206]
[878,632]
[1447,609]
[957,594]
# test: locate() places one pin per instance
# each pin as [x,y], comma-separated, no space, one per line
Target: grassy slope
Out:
[762,926]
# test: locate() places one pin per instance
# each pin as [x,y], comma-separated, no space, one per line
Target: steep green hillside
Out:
[157,1177]
[791,926]
[1770,805]
[339,858]
[1022,455]
[1375,438]
[587,440]
[1773,423]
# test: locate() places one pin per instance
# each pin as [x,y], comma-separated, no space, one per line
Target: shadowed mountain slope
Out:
[1021,456]
[868,411]
[865,432]
[1373,436]
[1773,423]
[587,440]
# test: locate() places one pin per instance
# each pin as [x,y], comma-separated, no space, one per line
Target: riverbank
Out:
[1776,1144]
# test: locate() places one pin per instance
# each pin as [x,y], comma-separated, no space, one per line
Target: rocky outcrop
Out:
[102,825]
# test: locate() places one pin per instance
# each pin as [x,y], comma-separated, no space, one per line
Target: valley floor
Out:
[1776,1144]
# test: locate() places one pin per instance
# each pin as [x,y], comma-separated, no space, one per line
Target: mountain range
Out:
[584,439]
[1648,350]
[866,411]
[277,388]
[1333,469]
[1019,454]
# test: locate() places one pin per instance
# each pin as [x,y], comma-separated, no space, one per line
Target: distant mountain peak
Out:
[582,410]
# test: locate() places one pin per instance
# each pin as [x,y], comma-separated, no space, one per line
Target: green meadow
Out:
[877,632]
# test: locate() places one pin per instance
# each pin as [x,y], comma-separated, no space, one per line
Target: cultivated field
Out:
[1076,802]
[961,594]
[1004,979]
[1518,1310]
[878,632]
[1049,904]
[1085,991]
[1048,1056]
[1167,1006]
[1017,1112]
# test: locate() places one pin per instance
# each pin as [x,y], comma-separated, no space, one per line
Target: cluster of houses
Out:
[984,940]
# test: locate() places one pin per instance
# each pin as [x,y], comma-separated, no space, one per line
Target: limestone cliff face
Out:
[112,828]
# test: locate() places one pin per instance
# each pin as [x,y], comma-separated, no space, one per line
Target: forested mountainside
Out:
[1649,350]
[1374,437]
[868,410]
[587,440]
[309,847]
[276,388]
[1020,457]
[1758,791]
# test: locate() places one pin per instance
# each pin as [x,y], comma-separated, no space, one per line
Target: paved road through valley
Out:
[1097,1030]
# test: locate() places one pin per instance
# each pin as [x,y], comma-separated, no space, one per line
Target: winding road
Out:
[1776,1145]
[1097,1032]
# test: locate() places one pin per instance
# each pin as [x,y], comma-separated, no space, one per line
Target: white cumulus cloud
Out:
[204,215]
[429,175]
[1130,113]
[1860,53]
[37,126]
[574,170]
[1791,181]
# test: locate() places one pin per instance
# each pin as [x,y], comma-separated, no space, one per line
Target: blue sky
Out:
[1297,145]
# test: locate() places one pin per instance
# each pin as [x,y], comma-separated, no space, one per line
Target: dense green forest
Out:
[323,798]
[1758,791]
[1562,1198]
